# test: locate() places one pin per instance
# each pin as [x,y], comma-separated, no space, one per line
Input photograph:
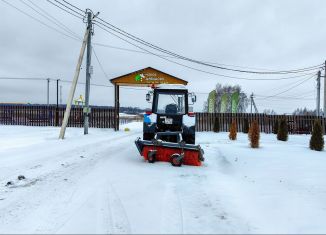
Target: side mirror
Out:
[194,99]
[148,97]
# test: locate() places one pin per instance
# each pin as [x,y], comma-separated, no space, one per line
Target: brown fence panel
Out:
[103,117]
[50,115]
[296,124]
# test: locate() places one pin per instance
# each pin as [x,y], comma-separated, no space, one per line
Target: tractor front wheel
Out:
[176,160]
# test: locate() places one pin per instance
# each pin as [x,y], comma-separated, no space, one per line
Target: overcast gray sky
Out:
[265,34]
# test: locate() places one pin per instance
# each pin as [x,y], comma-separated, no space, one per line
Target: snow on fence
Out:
[297,124]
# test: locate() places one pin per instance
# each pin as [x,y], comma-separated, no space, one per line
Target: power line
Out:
[134,38]
[279,98]
[108,86]
[75,36]
[39,21]
[145,43]
[150,53]
[48,18]
[273,99]
[121,32]
[100,64]
[73,6]
[281,88]
[78,13]
[306,93]
[83,83]
[167,56]
[53,19]
[66,10]
[22,78]
[298,96]
[288,89]
[65,81]
[127,49]
[200,70]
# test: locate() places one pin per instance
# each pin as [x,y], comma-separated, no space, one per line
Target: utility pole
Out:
[251,101]
[318,94]
[48,92]
[325,92]
[57,107]
[73,87]
[88,72]
[323,121]
[86,41]
[60,94]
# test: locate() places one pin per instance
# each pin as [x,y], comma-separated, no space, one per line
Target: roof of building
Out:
[147,77]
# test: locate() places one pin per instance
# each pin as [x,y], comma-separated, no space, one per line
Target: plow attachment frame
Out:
[192,154]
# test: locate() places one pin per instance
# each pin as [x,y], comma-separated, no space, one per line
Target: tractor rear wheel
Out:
[148,136]
[151,156]
[189,139]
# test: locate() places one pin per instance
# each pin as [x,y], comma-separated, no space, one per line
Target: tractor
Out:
[169,127]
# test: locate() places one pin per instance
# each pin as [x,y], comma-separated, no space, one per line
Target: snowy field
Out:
[99,184]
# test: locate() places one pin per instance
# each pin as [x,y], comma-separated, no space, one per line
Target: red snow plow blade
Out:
[175,153]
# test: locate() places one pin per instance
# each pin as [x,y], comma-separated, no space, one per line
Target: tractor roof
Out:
[172,87]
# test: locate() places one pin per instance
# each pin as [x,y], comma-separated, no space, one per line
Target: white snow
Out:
[99,184]
[128,115]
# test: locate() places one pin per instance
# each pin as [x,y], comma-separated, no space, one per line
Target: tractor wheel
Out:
[176,160]
[148,136]
[190,139]
[151,156]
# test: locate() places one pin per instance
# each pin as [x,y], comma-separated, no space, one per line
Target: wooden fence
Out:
[44,115]
[296,124]
[103,117]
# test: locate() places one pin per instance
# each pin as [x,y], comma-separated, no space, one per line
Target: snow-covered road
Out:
[99,184]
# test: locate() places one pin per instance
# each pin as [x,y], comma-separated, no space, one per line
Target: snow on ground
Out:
[128,115]
[99,184]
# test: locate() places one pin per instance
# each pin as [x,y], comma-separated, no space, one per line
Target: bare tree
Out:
[269,112]
[229,90]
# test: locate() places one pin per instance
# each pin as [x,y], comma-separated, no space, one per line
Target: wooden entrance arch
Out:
[141,78]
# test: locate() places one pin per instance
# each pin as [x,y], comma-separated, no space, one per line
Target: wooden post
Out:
[116,107]
[325,92]
[73,87]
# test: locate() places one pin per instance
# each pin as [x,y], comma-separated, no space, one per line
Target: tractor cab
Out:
[170,101]
[170,112]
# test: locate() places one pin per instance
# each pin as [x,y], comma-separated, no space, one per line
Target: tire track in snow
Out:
[216,187]
[190,207]
[216,159]
[186,207]
[102,209]
[119,220]
[202,208]
[172,214]
[25,165]
[17,208]
[108,203]
[111,214]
